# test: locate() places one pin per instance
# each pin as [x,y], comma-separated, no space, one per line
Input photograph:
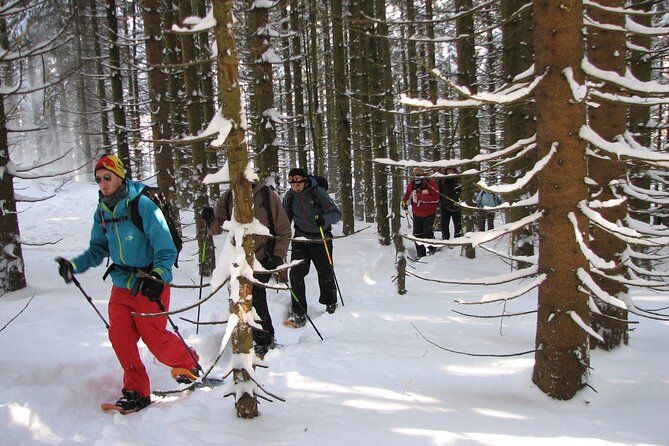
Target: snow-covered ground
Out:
[373,380]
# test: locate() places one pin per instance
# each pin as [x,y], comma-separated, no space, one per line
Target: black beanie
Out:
[297,171]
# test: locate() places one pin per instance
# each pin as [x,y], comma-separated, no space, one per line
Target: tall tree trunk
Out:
[393,152]
[242,340]
[263,93]
[517,57]
[562,357]
[100,75]
[315,114]
[606,51]
[296,47]
[120,126]
[468,125]
[433,85]
[343,141]
[12,266]
[197,190]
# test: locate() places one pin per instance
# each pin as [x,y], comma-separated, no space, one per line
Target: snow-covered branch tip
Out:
[507,295]
[576,318]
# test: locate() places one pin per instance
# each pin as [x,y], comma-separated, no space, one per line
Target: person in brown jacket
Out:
[270,252]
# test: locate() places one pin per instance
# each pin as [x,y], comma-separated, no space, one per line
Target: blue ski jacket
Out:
[114,235]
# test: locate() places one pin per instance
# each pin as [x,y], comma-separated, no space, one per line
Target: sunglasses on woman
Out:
[106,178]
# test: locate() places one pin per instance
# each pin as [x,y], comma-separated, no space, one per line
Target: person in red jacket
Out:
[423,195]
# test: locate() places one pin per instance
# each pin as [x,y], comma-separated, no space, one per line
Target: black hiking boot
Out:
[132,402]
[331,308]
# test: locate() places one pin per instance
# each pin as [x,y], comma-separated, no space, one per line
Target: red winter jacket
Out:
[424,200]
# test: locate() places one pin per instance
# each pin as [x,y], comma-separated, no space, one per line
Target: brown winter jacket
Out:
[223,209]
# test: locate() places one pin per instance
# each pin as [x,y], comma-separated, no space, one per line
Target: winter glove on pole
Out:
[405,206]
[320,221]
[152,289]
[65,269]
[207,214]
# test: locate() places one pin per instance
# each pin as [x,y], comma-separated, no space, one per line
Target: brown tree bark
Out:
[231,108]
[606,51]
[562,358]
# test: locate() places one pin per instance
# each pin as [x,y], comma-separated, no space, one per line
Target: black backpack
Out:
[165,207]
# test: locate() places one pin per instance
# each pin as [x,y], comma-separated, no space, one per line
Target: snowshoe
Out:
[130,402]
[296,321]
[185,376]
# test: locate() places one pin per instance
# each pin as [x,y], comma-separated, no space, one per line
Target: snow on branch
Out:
[499,154]
[507,295]
[587,280]
[505,96]
[628,10]
[628,235]
[621,149]
[195,24]
[522,181]
[590,256]
[628,82]
[477,238]
[576,318]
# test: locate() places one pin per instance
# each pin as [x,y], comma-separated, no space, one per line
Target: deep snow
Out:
[373,380]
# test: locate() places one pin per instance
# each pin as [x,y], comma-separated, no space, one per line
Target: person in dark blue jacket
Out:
[131,250]
[311,209]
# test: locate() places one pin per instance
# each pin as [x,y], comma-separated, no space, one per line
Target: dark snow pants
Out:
[422,228]
[312,252]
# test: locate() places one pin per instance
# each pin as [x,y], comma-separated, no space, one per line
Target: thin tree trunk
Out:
[468,125]
[120,126]
[343,125]
[242,340]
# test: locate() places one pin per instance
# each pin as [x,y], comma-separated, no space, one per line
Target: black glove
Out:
[152,289]
[272,262]
[207,214]
[320,221]
[65,269]
[405,206]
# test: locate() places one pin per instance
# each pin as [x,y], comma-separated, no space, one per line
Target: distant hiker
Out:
[423,195]
[311,209]
[151,250]
[485,199]
[270,252]
[449,204]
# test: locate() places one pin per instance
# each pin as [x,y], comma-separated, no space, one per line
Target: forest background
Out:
[561,109]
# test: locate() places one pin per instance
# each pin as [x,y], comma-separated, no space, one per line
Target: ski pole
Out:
[292,294]
[199,297]
[327,251]
[90,301]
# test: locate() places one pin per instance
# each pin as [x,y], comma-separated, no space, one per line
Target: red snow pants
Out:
[125,330]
